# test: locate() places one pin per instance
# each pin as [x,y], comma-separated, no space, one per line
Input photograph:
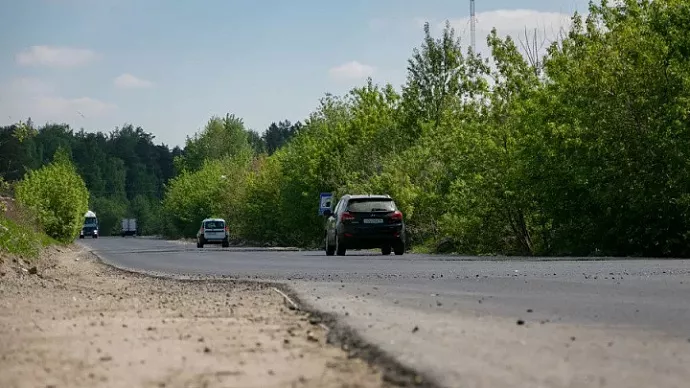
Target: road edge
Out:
[339,334]
[349,340]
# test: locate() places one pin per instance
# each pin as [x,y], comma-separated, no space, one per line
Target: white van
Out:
[213,231]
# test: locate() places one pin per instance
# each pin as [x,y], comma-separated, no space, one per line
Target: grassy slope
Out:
[18,237]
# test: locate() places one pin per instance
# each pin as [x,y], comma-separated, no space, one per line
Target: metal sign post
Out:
[325,202]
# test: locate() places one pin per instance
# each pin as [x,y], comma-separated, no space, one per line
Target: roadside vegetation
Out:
[18,236]
[21,239]
[578,149]
[55,197]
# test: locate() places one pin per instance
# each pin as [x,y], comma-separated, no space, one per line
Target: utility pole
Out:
[473,28]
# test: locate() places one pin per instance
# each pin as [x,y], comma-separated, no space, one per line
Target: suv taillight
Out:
[397,216]
[346,216]
[226,228]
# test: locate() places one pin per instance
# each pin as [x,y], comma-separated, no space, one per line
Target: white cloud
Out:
[128,81]
[53,56]
[351,70]
[21,98]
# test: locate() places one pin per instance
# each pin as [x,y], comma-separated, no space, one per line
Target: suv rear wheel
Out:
[339,248]
[226,243]
[399,248]
[330,249]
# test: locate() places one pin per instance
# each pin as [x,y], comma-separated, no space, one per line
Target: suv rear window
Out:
[214,225]
[371,205]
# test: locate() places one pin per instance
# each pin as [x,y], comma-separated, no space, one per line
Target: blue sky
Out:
[168,66]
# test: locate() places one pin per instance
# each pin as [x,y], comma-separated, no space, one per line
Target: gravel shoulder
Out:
[78,323]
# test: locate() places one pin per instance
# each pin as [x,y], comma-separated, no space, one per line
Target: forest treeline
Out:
[125,171]
[578,150]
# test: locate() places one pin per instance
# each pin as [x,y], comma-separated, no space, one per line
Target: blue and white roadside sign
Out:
[325,202]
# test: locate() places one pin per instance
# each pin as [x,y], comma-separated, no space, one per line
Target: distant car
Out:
[213,231]
[364,222]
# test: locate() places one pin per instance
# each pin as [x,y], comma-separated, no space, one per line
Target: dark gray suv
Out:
[364,222]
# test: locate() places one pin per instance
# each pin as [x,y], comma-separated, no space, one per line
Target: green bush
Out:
[57,197]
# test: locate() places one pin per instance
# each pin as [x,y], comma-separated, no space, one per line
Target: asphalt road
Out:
[471,322]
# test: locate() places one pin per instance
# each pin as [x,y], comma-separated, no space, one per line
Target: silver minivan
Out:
[213,231]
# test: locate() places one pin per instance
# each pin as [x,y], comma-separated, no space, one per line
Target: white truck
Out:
[90,227]
[129,227]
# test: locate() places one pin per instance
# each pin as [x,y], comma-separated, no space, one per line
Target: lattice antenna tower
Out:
[473,26]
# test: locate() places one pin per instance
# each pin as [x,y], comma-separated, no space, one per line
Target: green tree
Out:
[614,132]
[57,196]
[277,135]
[261,212]
[256,142]
[18,150]
[437,75]
[221,138]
